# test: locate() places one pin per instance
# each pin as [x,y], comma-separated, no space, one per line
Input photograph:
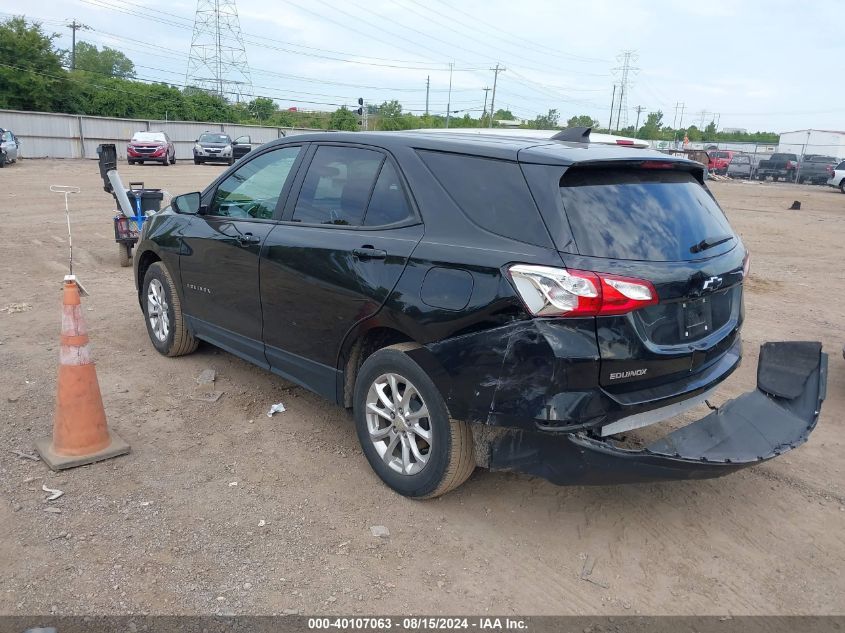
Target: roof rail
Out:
[574,135]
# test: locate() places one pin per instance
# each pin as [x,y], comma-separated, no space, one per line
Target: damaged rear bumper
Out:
[774,418]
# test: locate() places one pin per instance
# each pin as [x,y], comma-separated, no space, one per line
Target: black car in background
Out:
[219,147]
[515,304]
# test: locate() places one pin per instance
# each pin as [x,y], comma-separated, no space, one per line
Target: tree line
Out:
[37,75]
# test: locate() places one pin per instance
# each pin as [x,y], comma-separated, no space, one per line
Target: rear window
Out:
[719,155]
[639,214]
[492,193]
[822,159]
[740,160]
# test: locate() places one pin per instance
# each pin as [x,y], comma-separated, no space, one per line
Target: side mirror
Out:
[187,203]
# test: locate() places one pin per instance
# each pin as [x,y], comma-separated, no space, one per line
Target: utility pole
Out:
[427,86]
[75,26]
[496,72]
[619,109]
[449,99]
[484,110]
[639,109]
[612,102]
[681,120]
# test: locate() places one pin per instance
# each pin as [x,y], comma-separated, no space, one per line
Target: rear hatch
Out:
[654,220]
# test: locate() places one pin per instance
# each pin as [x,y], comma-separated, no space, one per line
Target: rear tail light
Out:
[549,291]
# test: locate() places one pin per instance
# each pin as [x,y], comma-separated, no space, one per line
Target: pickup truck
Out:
[816,169]
[778,166]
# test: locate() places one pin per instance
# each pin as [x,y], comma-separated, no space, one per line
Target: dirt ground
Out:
[220,509]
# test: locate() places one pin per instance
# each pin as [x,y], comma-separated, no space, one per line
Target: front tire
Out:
[842,185]
[163,314]
[197,161]
[405,430]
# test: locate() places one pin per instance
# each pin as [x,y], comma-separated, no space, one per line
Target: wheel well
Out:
[366,345]
[147,259]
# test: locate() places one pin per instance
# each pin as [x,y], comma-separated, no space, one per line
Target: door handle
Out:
[368,252]
[246,239]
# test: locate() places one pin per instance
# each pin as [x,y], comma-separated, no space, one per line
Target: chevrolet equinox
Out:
[511,303]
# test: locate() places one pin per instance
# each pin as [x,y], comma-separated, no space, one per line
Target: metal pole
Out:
[484,110]
[496,72]
[801,161]
[619,109]
[449,100]
[427,86]
[639,111]
[219,49]
[612,101]
[73,50]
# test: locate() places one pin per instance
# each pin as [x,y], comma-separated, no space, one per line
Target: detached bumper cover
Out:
[757,426]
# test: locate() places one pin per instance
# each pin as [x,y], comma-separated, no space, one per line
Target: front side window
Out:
[337,186]
[253,190]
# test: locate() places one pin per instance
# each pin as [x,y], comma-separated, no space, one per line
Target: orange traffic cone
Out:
[80,431]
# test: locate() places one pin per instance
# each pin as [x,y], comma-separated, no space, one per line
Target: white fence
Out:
[47,135]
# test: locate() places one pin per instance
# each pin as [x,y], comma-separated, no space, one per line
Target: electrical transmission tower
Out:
[626,69]
[217,62]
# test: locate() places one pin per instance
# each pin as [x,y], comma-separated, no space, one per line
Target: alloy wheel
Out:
[157,310]
[398,423]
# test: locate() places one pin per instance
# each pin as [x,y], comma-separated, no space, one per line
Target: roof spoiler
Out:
[574,135]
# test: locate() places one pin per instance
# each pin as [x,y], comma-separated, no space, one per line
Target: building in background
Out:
[825,142]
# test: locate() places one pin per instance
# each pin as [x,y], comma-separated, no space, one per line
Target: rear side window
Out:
[492,193]
[388,204]
[642,214]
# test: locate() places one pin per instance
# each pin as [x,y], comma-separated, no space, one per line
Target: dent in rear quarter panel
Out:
[492,364]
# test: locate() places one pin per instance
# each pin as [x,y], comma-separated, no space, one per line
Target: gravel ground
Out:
[220,509]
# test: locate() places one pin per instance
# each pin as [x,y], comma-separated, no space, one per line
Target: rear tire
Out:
[441,457]
[124,255]
[163,314]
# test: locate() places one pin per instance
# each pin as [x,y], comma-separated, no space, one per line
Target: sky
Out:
[769,65]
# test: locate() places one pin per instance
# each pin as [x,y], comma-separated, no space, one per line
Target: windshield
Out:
[149,137]
[214,138]
[642,214]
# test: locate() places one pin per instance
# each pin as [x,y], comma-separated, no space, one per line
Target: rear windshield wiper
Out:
[709,242]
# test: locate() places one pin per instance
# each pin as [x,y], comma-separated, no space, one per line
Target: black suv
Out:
[482,300]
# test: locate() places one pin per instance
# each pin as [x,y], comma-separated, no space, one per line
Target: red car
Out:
[151,146]
[719,160]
